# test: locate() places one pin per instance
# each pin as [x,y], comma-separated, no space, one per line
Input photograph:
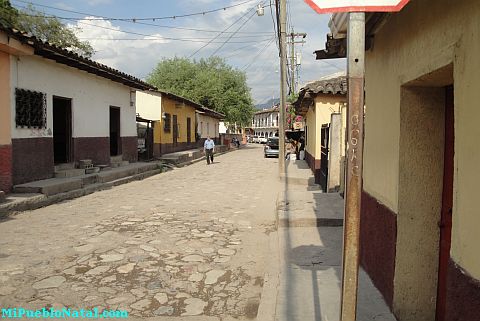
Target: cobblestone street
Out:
[192,241]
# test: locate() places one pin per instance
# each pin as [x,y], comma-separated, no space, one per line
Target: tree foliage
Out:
[43,27]
[209,82]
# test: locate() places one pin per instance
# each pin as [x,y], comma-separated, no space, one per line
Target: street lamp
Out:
[260,10]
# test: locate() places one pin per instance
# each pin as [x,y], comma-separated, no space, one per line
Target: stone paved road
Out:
[193,241]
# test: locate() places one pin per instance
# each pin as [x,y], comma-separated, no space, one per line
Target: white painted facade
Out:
[222,128]
[149,105]
[207,126]
[91,97]
[265,122]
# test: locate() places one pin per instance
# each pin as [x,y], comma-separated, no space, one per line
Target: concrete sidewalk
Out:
[305,277]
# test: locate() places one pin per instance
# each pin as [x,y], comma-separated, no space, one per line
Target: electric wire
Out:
[261,51]
[198,50]
[145,19]
[129,21]
[241,26]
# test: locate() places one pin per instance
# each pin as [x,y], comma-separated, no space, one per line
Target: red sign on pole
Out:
[330,6]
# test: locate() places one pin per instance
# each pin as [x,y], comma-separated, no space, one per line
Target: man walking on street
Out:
[209,149]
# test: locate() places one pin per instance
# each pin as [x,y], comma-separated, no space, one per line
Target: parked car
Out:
[262,140]
[271,147]
[255,139]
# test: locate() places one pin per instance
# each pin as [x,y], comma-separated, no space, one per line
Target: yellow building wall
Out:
[311,121]
[184,112]
[424,37]
[325,105]
[5,106]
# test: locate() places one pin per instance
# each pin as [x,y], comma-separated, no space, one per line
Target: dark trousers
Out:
[209,154]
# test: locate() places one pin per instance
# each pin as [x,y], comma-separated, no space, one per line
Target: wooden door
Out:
[189,130]
[447,204]
[175,131]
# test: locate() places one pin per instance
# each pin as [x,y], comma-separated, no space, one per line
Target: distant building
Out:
[179,123]
[265,122]
[322,104]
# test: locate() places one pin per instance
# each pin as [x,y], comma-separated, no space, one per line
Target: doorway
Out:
[62,130]
[115,145]
[447,205]
[189,130]
[175,131]
[425,164]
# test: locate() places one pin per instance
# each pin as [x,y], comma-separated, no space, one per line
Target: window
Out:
[30,108]
[167,123]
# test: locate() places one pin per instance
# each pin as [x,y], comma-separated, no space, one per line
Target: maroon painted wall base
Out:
[32,159]
[129,148]
[95,148]
[378,237]
[5,168]
[463,295]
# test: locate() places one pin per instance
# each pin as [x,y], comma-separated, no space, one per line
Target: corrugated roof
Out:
[69,58]
[197,106]
[269,110]
[336,85]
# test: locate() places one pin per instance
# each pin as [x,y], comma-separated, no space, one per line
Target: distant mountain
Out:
[268,104]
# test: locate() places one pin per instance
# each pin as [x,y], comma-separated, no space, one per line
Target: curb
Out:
[267,310]
[43,200]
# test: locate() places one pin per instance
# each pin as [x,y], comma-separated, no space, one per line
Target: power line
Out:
[274,27]
[251,42]
[241,26]
[142,19]
[154,37]
[198,50]
[261,51]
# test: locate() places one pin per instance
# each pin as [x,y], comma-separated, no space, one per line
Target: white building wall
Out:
[91,97]
[210,126]
[149,105]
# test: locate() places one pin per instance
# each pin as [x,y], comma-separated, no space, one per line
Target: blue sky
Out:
[251,49]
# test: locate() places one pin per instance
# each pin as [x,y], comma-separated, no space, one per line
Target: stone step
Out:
[92,170]
[116,159]
[85,163]
[53,186]
[63,167]
[70,173]
[50,186]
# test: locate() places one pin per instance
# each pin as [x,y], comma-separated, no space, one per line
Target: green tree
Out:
[210,82]
[44,27]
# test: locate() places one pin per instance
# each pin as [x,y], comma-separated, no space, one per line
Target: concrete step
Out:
[116,159]
[70,173]
[53,186]
[85,163]
[50,186]
[92,170]
[299,208]
[116,173]
[63,167]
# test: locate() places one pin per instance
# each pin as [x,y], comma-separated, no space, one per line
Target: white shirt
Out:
[209,144]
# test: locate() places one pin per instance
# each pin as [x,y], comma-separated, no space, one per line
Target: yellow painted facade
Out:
[429,44]
[182,111]
[325,106]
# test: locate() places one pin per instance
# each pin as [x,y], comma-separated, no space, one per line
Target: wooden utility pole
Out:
[283,83]
[356,71]
[293,64]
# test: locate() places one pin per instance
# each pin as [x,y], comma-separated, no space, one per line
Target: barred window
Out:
[167,123]
[30,108]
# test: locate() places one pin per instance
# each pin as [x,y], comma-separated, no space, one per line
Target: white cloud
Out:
[139,57]
[94,3]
